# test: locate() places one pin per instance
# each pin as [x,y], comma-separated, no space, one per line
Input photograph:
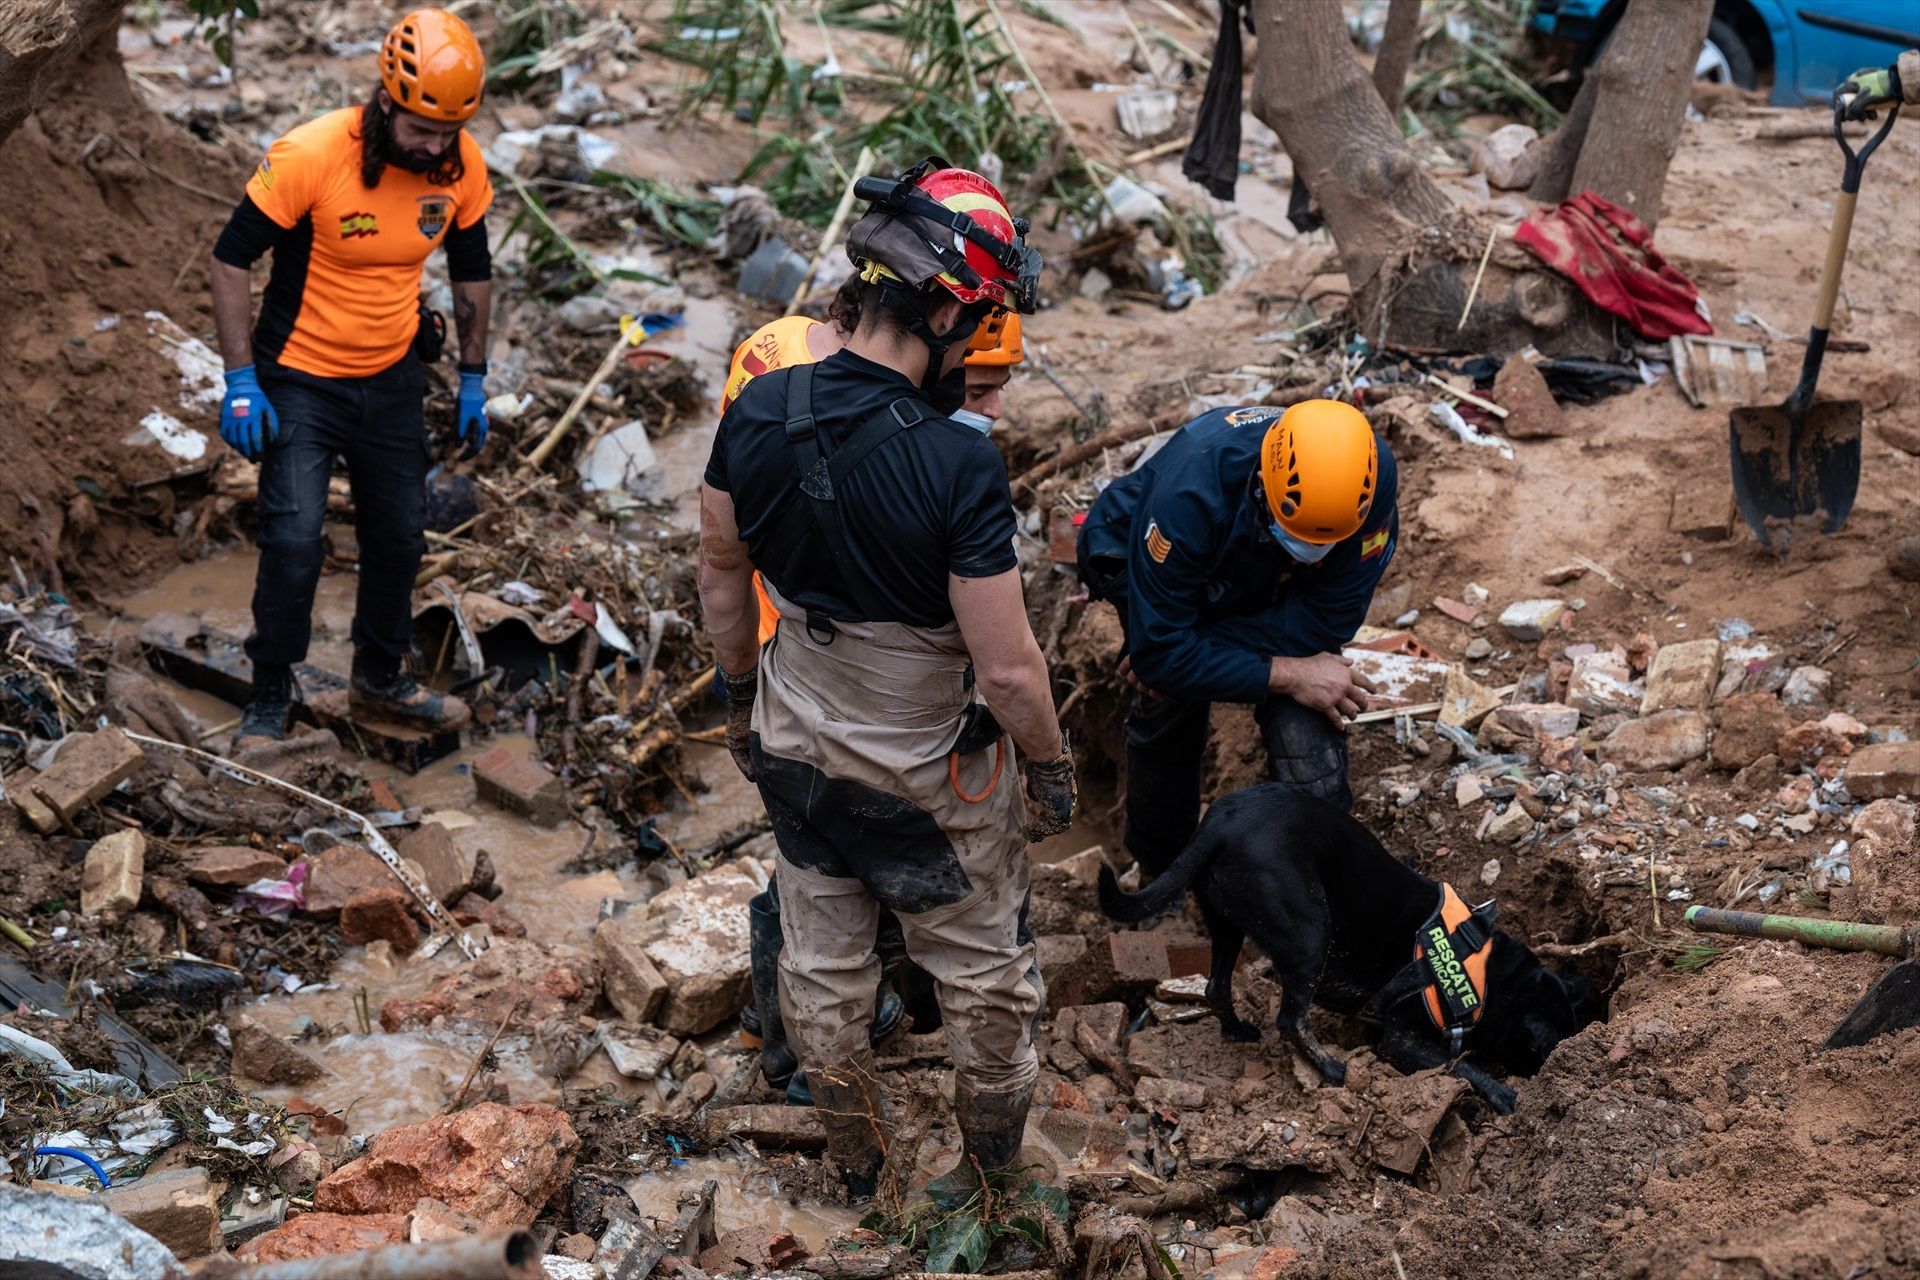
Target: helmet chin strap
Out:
[937,344]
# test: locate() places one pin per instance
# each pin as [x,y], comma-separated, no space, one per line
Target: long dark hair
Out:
[376,149]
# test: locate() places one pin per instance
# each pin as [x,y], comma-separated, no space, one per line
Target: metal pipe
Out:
[514,1256]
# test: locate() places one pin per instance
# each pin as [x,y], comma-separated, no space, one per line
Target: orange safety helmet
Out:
[431,65]
[1318,465]
[996,343]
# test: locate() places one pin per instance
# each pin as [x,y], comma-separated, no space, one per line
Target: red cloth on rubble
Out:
[1608,253]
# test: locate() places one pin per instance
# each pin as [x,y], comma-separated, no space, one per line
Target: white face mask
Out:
[1304,552]
[978,421]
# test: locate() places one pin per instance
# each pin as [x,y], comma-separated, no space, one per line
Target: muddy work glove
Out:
[247,421]
[1866,89]
[470,412]
[1053,793]
[741,691]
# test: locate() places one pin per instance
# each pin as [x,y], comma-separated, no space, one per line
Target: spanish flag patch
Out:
[1157,544]
[1373,544]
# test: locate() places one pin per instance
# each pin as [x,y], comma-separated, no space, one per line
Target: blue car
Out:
[1808,46]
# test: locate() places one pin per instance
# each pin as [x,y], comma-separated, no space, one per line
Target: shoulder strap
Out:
[822,476]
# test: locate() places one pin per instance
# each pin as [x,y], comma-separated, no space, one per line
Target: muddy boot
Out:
[396,696]
[992,1126]
[852,1106]
[891,1013]
[1904,559]
[777,1062]
[266,715]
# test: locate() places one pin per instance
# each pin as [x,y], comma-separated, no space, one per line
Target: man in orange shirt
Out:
[351,205]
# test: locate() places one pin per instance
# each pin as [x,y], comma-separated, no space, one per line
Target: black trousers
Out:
[378,425]
[1166,756]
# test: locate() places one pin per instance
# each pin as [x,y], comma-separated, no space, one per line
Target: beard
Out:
[415,160]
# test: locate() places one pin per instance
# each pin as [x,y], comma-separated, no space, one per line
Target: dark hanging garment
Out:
[1213,157]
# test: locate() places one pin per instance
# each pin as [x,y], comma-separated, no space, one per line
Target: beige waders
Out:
[855,729]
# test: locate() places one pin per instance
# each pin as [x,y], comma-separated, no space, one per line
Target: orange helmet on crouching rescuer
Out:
[431,65]
[996,343]
[1318,469]
[938,227]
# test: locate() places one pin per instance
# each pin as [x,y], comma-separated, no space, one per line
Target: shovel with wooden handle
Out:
[1891,1004]
[1802,457]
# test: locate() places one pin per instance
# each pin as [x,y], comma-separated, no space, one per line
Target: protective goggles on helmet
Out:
[887,236]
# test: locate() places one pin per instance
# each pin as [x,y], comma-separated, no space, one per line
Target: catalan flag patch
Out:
[1157,545]
[1374,544]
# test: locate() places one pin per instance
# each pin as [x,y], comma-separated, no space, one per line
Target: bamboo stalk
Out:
[545,448]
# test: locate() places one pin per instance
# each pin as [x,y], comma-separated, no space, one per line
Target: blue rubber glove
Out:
[247,421]
[471,412]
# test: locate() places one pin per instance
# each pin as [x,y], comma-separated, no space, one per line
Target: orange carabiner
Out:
[953,772]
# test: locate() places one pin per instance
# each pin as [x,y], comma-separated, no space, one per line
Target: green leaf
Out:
[957,1194]
[1027,1227]
[959,1240]
[1052,1199]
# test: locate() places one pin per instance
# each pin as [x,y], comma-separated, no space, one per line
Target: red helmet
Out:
[940,225]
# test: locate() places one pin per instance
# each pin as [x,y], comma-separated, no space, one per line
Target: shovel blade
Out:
[1891,1004]
[1780,474]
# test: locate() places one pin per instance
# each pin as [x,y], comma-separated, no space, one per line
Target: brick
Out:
[1085,865]
[638,1053]
[112,877]
[633,983]
[1884,769]
[335,875]
[1058,951]
[1521,389]
[446,867]
[233,865]
[380,914]
[697,937]
[260,1055]
[380,792]
[1464,701]
[521,785]
[1125,965]
[1602,684]
[87,768]
[1750,725]
[180,1209]
[1682,677]
[1664,740]
[1539,719]
[1529,620]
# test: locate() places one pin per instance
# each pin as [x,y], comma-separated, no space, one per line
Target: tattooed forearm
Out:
[471,301]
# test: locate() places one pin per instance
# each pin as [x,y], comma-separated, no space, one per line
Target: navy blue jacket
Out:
[1183,549]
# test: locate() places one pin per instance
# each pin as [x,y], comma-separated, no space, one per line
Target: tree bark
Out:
[38,39]
[1409,254]
[1397,44]
[1625,122]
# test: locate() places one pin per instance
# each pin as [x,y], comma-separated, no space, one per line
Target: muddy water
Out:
[749,1196]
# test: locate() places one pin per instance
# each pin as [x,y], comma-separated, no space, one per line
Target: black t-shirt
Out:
[930,501]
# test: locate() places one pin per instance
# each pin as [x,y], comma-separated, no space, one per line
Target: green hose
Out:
[1838,935]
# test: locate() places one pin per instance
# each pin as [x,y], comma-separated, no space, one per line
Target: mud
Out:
[1698,1132]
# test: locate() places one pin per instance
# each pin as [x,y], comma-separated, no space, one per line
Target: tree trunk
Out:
[1409,255]
[1625,122]
[1397,44]
[38,38]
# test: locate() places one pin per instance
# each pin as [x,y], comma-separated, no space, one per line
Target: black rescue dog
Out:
[1337,914]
